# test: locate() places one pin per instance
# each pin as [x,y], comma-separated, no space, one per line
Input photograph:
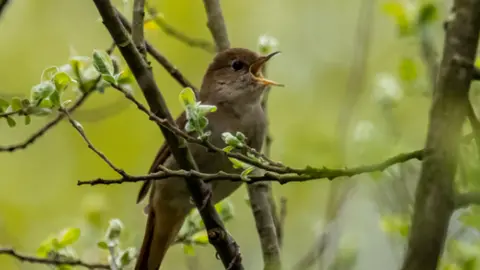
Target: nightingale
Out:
[233,83]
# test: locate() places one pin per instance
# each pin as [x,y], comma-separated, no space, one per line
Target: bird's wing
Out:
[160,158]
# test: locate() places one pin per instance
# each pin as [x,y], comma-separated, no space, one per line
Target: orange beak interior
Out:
[256,70]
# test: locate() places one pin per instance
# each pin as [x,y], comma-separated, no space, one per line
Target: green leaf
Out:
[188,250]
[16,104]
[204,109]
[114,229]
[25,103]
[62,80]
[109,78]
[187,97]
[102,62]
[45,103]
[189,127]
[200,238]
[102,245]
[3,105]
[225,209]
[245,173]
[126,257]
[231,140]
[395,224]
[408,69]
[237,164]
[45,247]
[69,236]
[125,77]
[55,99]
[42,91]
[77,63]
[202,123]
[241,136]
[48,73]
[471,219]
[428,13]
[10,121]
[39,111]
[398,11]
[28,119]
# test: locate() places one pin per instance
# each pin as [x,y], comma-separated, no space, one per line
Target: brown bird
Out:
[234,84]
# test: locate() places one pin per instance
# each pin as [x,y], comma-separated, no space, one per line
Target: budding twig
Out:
[48,261]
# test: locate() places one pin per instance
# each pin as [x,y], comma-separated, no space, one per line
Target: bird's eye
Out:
[237,65]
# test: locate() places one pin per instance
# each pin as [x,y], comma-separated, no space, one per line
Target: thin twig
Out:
[162,60]
[80,130]
[8,114]
[48,261]
[170,30]
[138,26]
[216,24]
[113,263]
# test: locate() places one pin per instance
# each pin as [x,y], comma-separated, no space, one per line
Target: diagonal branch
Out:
[216,24]
[55,262]
[79,128]
[466,199]
[226,247]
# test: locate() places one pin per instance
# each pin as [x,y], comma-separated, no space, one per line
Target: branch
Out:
[170,30]
[3,6]
[137,26]
[162,60]
[44,129]
[434,200]
[268,176]
[8,114]
[466,199]
[47,261]
[226,247]
[79,128]
[216,24]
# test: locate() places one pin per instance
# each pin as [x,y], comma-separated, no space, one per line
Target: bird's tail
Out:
[162,227]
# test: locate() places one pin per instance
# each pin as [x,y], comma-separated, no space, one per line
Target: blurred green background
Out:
[38,192]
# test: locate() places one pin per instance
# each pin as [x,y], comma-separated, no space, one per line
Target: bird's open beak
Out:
[256,70]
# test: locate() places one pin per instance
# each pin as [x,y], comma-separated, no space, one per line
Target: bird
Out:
[234,83]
